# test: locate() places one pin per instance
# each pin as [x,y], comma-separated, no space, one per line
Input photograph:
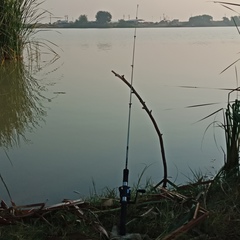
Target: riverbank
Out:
[202,210]
[131,25]
[197,21]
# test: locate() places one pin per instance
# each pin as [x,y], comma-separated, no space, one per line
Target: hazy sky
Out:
[149,10]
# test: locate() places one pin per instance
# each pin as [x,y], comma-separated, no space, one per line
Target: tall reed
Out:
[232,135]
[18,21]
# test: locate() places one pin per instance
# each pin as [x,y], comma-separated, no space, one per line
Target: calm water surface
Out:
[80,136]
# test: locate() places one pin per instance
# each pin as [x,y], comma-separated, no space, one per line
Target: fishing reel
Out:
[125,190]
[125,199]
[125,194]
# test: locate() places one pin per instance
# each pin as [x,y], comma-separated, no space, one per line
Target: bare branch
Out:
[149,112]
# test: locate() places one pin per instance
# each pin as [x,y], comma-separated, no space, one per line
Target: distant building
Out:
[132,20]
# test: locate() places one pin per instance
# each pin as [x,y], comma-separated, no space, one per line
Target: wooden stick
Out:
[149,112]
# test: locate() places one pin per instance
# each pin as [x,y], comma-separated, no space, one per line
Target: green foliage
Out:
[226,20]
[18,19]
[203,20]
[82,20]
[223,201]
[153,216]
[236,19]
[103,17]
[232,135]
[63,224]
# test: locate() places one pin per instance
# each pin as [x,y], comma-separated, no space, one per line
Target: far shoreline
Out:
[109,27]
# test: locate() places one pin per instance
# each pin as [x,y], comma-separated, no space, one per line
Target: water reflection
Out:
[20,103]
[104,46]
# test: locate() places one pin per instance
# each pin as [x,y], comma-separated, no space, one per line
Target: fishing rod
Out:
[125,192]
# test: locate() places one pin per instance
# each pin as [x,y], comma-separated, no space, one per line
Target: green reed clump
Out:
[18,20]
[232,135]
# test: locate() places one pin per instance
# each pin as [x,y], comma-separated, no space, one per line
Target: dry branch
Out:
[149,112]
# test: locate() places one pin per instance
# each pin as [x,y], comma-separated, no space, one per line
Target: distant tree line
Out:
[104,19]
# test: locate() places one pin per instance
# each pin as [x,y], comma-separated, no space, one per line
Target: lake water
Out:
[80,134]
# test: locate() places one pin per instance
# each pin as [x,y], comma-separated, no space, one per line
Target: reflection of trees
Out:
[20,105]
[104,46]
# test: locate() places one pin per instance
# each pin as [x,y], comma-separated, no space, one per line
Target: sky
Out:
[149,10]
